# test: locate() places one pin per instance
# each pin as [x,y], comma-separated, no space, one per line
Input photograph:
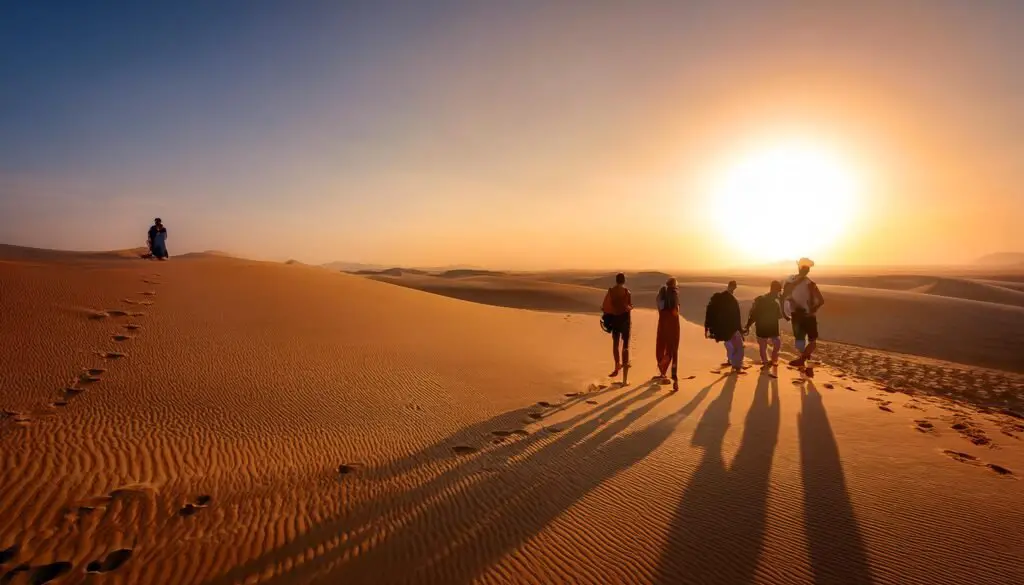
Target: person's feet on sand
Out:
[675,385]
[798,362]
[615,372]
[725,364]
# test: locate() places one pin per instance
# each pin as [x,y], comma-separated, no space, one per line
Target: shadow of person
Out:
[837,551]
[717,533]
[446,478]
[457,530]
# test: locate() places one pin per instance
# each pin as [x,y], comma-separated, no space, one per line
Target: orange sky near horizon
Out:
[554,138]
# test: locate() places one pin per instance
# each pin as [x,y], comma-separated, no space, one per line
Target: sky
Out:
[521,135]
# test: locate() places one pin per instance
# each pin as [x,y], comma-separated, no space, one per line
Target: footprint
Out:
[536,415]
[544,404]
[501,433]
[59,403]
[97,315]
[924,426]
[885,408]
[120,337]
[553,429]
[961,457]
[592,402]
[111,355]
[132,327]
[117,313]
[347,468]
[113,561]
[191,508]
[999,469]
[829,386]
[851,388]
[148,293]
[464,449]
[47,573]
[690,378]
[572,394]
[22,418]
[8,554]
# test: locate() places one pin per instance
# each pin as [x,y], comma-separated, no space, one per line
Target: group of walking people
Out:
[797,300]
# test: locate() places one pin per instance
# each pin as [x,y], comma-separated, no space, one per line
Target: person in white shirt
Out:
[802,299]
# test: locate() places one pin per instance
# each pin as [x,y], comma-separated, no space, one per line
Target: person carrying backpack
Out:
[804,298]
[765,314]
[722,322]
[617,305]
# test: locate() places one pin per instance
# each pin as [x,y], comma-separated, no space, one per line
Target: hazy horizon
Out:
[530,136]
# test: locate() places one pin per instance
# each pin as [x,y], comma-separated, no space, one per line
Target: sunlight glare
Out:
[783,202]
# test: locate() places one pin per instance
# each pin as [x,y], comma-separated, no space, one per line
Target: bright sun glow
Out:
[784,202]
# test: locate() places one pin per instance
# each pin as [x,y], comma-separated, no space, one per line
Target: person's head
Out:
[620,278]
[804,265]
[775,288]
[158,221]
[672,283]
[732,286]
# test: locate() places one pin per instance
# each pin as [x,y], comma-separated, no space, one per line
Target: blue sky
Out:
[437,132]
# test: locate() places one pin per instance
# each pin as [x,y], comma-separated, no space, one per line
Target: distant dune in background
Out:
[963,320]
[1010,259]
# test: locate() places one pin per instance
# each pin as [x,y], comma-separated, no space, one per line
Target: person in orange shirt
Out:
[618,303]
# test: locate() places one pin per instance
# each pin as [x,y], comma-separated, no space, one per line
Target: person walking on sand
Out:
[765,314]
[158,240]
[666,347]
[617,305]
[803,297]
[722,322]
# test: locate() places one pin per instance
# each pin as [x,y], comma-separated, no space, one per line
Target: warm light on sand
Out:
[784,201]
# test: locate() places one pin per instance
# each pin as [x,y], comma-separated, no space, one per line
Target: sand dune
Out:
[505,291]
[217,420]
[935,324]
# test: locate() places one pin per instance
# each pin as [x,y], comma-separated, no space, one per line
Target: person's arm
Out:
[629,300]
[817,300]
[780,310]
[750,316]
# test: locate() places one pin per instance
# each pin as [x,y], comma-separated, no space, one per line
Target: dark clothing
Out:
[157,241]
[805,325]
[765,314]
[722,318]
[620,326]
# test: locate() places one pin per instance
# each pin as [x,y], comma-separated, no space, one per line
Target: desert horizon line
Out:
[1002,260]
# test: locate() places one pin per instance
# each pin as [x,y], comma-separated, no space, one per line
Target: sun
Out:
[784,201]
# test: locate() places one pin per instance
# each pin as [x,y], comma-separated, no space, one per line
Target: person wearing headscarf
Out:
[666,347]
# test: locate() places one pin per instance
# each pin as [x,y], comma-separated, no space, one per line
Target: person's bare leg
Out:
[615,355]
[776,346]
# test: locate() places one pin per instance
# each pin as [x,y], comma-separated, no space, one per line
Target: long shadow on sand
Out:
[836,546]
[718,530]
[454,526]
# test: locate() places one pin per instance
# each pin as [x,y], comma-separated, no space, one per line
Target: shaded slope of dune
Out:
[935,324]
[504,291]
